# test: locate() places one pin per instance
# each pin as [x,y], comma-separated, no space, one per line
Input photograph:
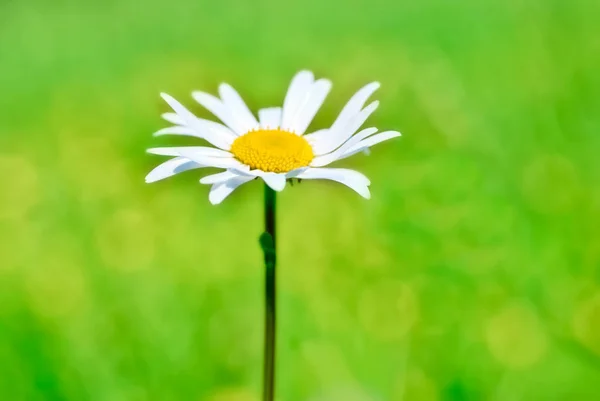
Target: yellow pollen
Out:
[272,150]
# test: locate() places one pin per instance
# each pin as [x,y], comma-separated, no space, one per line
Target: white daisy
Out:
[274,147]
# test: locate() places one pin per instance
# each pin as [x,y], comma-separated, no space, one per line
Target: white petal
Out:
[340,135]
[337,154]
[373,140]
[274,180]
[317,135]
[173,118]
[170,168]
[314,173]
[297,91]
[367,132]
[352,179]
[178,130]
[270,118]
[308,108]
[355,123]
[186,115]
[199,150]
[296,172]
[219,177]
[215,106]
[237,108]
[220,162]
[243,169]
[220,191]
[214,133]
[355,104]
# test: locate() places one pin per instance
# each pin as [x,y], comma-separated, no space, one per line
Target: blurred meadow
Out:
[473,273]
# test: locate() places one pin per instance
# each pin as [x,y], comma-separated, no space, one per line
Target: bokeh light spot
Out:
[586,323]
[57,290]
[240,394]
[326,361]
[388,310]
[514,336]
[126,240]
[93,165]
[415,385]
[20,190]
[551,184]
[348,392]
[17,247]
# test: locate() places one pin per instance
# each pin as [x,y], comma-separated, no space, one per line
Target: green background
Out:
[473,273]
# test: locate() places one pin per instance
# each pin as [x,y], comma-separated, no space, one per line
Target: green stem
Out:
[267,241]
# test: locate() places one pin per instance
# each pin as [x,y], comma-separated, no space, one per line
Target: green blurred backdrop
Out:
[472,274]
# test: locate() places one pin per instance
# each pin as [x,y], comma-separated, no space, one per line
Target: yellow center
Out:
[272,150]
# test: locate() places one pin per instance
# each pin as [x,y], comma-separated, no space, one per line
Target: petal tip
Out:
[326,82]
[224,88]
[307,73]
[150,178]
[365,192]
[213,199]
[275,181]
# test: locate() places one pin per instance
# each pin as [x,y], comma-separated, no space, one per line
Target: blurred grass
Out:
[472,274]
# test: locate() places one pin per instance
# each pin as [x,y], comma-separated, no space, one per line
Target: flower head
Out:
[274,147]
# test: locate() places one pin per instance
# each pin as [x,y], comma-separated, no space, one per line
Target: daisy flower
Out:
[273,147]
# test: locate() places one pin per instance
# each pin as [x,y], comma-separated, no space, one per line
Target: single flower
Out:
[274,147]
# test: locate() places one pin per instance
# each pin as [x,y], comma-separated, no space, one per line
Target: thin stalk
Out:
[268,245]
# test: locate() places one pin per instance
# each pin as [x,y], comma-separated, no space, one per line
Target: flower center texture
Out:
[272,150]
